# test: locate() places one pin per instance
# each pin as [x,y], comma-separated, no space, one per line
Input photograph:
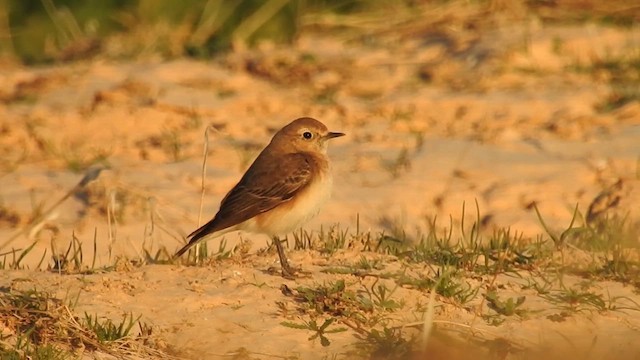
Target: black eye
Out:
[307,135]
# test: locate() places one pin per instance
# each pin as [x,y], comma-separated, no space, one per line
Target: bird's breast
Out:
[301,208]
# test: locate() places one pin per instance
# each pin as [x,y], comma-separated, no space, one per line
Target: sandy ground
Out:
[500,122]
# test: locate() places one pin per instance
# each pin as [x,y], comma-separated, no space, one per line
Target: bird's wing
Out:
[263,187]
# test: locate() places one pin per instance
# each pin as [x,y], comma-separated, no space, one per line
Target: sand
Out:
[497,124]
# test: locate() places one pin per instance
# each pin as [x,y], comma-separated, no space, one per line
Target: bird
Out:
[285,186]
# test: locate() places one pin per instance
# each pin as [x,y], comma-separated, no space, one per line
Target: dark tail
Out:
[195,236]
[184,249]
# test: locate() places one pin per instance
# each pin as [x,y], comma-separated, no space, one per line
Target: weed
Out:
[507,252]
[302,240]
[576,300]
[420,281]
[508,307]
[199,255]
[319,331]
[611,241]
[107,331]
[444,283]
[45,328]
[369,264]
[73,259]
[25,349]
[380,297]
[387,343]
[333,298]
[161,256]
[391,245]
[459,290]
[332,240]
[360,310]
[15,263]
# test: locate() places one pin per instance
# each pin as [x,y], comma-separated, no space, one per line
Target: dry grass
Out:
[39,326]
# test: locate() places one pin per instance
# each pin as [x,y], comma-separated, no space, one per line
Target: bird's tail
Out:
[195,237]
[184,249]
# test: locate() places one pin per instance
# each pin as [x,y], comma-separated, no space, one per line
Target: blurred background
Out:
[507,103]
[41,31]
[516,120]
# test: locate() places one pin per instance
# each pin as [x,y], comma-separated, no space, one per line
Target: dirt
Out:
[501,123]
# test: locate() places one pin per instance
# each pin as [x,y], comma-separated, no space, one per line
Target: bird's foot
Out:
[288,272]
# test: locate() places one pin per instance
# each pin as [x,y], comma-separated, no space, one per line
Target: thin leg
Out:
[287,271]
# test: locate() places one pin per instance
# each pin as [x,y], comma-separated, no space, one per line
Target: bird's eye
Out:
[307,135]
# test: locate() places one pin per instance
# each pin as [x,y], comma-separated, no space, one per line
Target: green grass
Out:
[464,268]
[107,331]
[320,331]
[46,31]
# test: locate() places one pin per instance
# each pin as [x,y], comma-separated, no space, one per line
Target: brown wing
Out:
[263,187]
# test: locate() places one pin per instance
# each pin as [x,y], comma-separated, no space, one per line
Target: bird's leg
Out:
[287,271]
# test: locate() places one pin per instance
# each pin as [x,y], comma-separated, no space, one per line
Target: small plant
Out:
[160,256]
[332,240]
[361,311]
[302,240]
[459,290]
[444,283]
[508,252]
[610,240]
[73,259]
[576,300]
[508,307]
[199,254]
[387,343]
[366,264]
[391,245]
[107,331]
[420,281]
[44,327]
[15,263]
[333,298]
[25,349]
[172,144]
[319,331]
[380,297]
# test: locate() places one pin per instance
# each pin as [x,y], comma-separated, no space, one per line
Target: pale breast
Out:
[297,211]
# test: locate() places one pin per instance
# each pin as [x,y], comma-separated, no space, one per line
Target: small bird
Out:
[284,187]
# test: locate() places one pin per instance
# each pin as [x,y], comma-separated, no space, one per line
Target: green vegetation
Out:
[466,267]
[470,271]
[49,30]
[63,30]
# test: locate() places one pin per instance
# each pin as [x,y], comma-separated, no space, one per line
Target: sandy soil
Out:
[499,121]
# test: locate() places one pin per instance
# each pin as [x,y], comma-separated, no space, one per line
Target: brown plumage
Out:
[283,188]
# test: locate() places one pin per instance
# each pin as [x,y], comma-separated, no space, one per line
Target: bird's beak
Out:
[332,135]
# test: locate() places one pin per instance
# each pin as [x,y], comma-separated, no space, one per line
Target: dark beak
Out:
[332,135]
